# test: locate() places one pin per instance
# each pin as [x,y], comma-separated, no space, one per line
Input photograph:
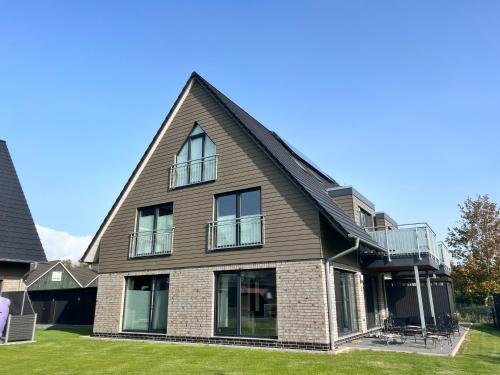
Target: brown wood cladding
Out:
[346,203]
[292,222]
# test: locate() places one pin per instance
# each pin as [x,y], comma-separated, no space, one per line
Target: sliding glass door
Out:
[146,304]
[246,303]
[347,309]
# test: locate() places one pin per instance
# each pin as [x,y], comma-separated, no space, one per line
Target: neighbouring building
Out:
[20,246]
[225,233]
[62,294]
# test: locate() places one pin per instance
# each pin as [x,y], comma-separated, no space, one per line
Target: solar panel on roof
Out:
[302,156]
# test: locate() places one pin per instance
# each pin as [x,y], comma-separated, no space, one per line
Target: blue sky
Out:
[399,99]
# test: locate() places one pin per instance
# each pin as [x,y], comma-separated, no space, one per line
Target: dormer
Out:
[354,204]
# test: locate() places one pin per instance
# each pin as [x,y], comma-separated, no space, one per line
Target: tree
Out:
[475,246]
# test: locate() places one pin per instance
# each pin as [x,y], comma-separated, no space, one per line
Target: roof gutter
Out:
[369,244]
[329,285]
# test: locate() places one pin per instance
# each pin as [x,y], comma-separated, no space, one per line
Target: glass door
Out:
[246,303]
[227,304]
[196,156]
[145,228]
[226,220]
[347,309]
[146,304]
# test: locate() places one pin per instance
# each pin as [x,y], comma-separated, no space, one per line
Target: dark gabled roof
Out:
[84,274]
[40,270]
[19,239]
[283,155]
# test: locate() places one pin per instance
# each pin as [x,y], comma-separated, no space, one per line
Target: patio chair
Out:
[455,324]
[438,332]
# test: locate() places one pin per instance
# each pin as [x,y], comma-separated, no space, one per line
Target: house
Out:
[61,294]
[20,246]
[225,233]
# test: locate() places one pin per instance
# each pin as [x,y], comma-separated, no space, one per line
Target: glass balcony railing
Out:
[158,242]
[193,172]
[241,232]
[408,239]
[445,255]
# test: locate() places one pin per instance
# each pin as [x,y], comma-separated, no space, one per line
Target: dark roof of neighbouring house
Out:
[19,239]
[83,274]
[39,271]
[306,176]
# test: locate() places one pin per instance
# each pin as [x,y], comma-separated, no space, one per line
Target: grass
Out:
[66,352]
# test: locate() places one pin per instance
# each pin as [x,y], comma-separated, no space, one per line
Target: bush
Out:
[475,313]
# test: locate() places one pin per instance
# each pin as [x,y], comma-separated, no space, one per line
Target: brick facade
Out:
[301,292]
[301,298]
[360,302]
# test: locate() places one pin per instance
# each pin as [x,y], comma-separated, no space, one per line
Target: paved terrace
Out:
[410,346]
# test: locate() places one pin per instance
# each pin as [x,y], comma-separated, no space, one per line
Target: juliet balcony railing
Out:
[159,242]
[408,239]
[246,231]
[193,172]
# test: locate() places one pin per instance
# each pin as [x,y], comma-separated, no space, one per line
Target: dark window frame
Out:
[154,231]
[188,140]
[151,303]
[156,215]
[238,301]
[238,194]
[363,212]
[342,330]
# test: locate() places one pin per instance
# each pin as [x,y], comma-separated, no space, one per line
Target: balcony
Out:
[193,172]
[246,231]
[408,240]
[143,244]
[444,255]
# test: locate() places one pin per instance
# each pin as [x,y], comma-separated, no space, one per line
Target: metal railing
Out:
[158,242]
[406,239]
[241,232]
[193,172]
[445,255]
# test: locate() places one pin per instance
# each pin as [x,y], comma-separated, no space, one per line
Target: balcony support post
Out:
[420,301]
[431,300]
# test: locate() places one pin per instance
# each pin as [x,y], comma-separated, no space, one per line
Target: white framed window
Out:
[56,276]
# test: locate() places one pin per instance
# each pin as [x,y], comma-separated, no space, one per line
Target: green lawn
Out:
[65,352]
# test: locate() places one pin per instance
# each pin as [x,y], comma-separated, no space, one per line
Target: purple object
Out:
[4,313]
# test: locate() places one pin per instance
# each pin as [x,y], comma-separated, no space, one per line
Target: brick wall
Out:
[360,302]
[301,292]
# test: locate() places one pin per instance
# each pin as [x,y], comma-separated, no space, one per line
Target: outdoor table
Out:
[413,331]
[436,339]
[390,337]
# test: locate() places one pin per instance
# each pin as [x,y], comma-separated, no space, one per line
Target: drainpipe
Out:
[329,285]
